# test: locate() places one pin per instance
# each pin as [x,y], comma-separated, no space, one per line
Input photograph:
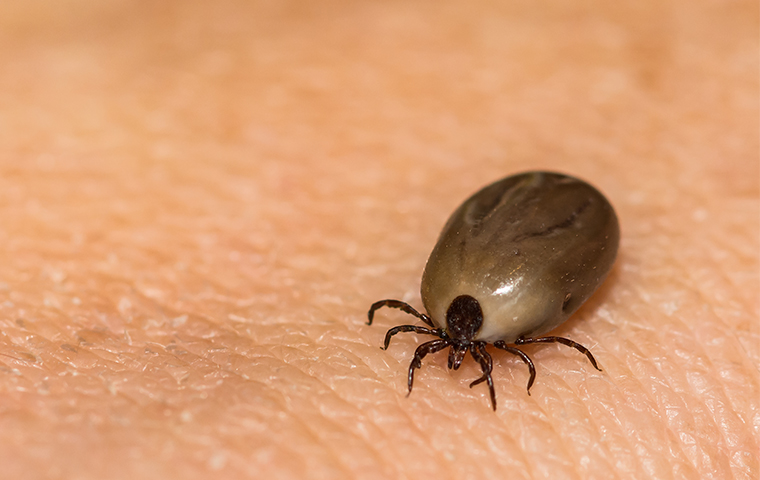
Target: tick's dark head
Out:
[463,320]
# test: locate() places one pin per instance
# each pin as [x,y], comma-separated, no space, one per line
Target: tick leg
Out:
[484,359]
[408,328]
[525,358]
[479,353]
[563,341]
[428,347]
[403,306]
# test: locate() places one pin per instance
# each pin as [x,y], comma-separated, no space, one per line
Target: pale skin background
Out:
[200,200]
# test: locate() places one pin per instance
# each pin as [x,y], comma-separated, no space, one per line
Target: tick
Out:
[512,263]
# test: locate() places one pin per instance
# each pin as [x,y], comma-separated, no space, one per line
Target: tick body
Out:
[512,263]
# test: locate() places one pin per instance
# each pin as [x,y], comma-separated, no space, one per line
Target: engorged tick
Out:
[512,263]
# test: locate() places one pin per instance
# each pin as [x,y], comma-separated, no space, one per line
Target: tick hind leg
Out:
[563,341]
[479,353]
[403,306]
[525,358]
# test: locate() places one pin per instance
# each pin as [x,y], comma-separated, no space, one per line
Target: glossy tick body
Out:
[513,262]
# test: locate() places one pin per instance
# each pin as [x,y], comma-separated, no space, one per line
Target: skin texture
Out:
[200,200]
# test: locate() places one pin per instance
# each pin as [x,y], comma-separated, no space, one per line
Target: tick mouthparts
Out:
[456,355]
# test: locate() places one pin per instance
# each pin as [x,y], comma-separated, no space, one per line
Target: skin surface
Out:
[519,247]
[200,200]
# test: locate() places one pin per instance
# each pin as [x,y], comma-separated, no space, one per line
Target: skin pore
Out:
[200,201]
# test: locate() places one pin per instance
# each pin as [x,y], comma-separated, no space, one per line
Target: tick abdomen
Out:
[530,248]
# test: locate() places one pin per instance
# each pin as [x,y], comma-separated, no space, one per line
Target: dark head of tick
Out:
[463,320]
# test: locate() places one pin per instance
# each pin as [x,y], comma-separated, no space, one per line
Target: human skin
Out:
[199,202]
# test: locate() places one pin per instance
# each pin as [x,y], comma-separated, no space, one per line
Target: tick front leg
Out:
[563,341]
[479,353]
[525,358]
[408,328]
[403,306]
[428,347]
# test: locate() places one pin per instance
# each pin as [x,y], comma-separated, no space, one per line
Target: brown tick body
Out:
[512,263]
